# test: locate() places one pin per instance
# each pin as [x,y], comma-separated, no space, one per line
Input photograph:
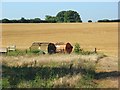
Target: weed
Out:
[5,83]
[77,49]
[24,52]
[87,81]
[16,53]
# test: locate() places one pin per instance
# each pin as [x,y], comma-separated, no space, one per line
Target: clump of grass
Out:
[67,81]
[16,53]
[79,50]
[87,81]
[37,82]
[24,52]
[24,84]
[5,83]
[87,68]
[35,51]
[87,52]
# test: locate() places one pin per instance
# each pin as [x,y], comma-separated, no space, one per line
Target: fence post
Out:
[95,50]
[30,49]
[26,50]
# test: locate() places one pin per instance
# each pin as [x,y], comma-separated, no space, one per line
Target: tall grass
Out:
[24,52]
[51,74]
[32,69]
[79,50]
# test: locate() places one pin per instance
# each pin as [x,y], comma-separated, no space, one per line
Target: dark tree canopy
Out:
[89,20]
[22,20]
[62,16]
[5,20]
[68,16]
[107,20]
[37,20]
[50,18]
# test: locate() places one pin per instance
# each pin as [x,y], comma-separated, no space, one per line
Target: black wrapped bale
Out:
[51,48]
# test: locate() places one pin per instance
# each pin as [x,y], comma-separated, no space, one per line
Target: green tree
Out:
[72,16]
[68,16]
[50,18]
[60,16]
[89,20]
[22,20]
[5,20]
[36,20]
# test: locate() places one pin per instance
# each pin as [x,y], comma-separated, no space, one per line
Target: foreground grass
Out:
[49,71]
[45,76]
[58,70]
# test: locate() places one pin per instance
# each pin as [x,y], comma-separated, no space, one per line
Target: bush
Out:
[5,83]
[77,49]
[24,52]
[89,20]
[35,51]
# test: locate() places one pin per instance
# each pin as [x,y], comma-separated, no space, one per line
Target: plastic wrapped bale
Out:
[63,48]
[51,48]
[68,48]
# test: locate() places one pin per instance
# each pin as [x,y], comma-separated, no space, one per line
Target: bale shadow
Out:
[103,75]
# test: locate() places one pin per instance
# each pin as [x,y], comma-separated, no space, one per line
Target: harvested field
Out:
[103,36]
[58,70]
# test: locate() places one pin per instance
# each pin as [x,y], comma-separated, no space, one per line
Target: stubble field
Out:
[62,70]
[103,36]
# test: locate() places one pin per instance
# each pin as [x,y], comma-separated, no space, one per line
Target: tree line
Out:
[107,20]
[62,16]
[23,20]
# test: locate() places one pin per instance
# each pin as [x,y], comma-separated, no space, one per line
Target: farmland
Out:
[95,70]
[103,36]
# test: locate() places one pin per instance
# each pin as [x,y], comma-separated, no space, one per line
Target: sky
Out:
[88,10]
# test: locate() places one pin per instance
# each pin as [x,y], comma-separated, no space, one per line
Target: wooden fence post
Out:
[95,50]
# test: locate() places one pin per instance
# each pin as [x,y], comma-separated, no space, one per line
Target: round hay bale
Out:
[51,48]
[60,48]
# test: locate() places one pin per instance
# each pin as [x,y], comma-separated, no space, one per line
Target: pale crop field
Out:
[103,36]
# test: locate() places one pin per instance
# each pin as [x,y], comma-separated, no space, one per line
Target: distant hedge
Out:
[106,20]
[23,20]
